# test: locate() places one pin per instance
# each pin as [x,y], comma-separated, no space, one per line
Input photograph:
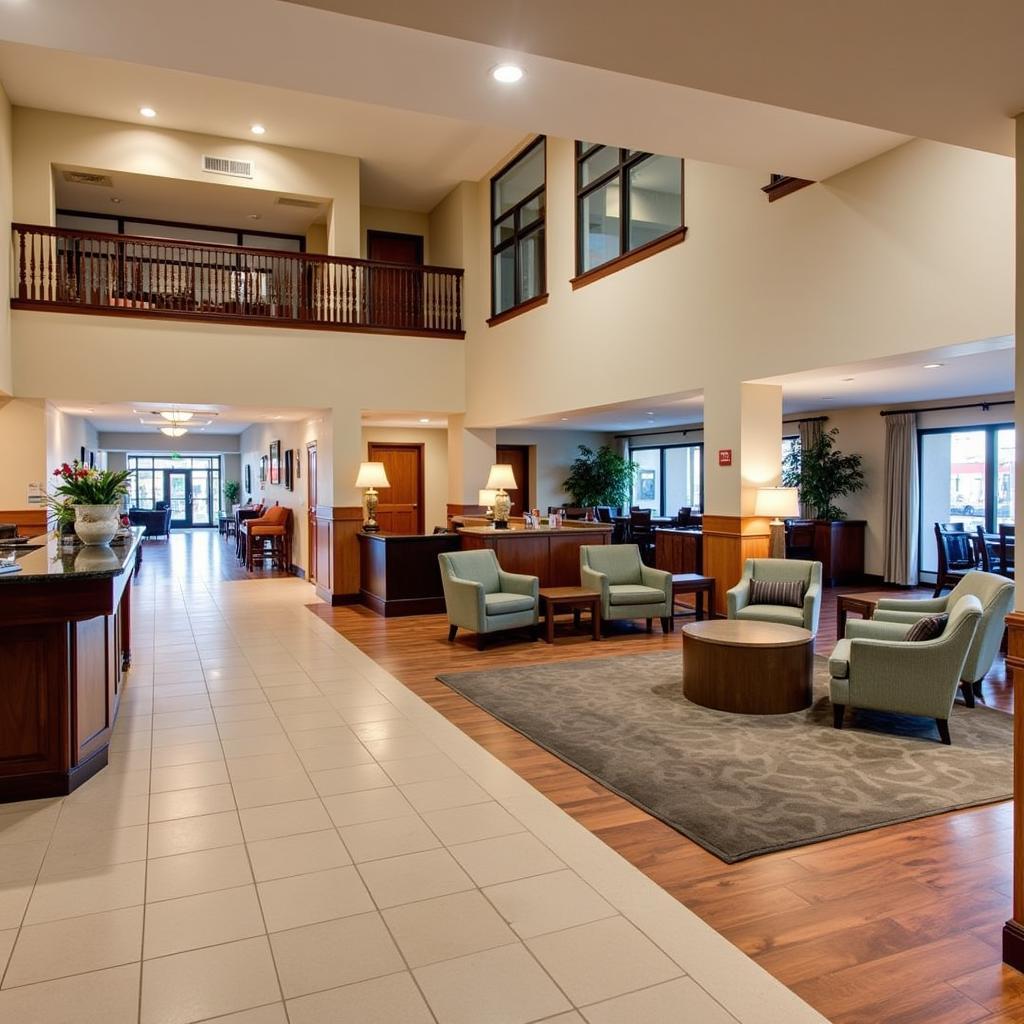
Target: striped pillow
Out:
[928,628]
[788,593]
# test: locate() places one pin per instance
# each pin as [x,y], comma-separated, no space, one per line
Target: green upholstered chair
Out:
[479,595]
[874,667]
[628,588]
[782,570]
[996,596]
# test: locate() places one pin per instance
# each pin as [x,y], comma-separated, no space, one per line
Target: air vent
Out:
[85,178]
[223,165]
[306,204]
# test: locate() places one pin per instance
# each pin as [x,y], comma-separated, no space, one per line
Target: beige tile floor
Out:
[286,835]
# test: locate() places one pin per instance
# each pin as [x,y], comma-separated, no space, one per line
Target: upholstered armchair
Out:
[874,667]
[996,596]
[628,588]
[479,595]
[156,520]
[778,570]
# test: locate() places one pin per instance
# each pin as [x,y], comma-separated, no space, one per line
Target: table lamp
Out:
[486,499]
[501,477]
[371,476]
[779,503]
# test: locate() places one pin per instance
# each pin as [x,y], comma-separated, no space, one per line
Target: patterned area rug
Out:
[743,785]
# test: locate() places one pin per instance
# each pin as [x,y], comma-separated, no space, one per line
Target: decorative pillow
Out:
[788,593]
[928,628]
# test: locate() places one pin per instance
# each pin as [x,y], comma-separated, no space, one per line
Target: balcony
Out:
[65,271]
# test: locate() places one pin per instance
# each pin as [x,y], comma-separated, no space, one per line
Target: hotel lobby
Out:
[509,514]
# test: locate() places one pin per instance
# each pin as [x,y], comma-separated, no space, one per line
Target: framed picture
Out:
[275,462]
[298,464]
[263,469]
[289,469]
[646,485]
[248,480]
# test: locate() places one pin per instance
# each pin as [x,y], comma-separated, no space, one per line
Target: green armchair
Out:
[628,588]
[479,595]
[996,596]
[782,570]
[874,667]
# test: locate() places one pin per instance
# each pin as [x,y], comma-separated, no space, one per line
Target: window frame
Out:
[519,231]
[662,475]
[628,159]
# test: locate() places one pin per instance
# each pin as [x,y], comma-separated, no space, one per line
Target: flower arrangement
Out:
[81,485]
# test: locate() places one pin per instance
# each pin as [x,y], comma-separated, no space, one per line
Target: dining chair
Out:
[640,531]
[956,555]
[1006,548]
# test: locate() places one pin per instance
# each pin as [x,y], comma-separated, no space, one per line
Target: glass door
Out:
[179,491]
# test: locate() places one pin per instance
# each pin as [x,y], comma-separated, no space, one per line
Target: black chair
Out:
[955,553]
[1007,543]
[604,513]
[641,533]
[157,520]
[684,515]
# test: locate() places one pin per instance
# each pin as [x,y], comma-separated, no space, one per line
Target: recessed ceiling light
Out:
[255,216]
[147,111]
[507,74]
[257,129]
[846,380]
[933,366]
[565,419]
[114,199]
[424,420]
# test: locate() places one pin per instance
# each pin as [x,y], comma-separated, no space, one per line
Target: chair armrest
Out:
[906,618]
[518,583]
[872,629]
[658,579]
[595,581]
[465,599]
[812,607]
[738,597]
[930,606]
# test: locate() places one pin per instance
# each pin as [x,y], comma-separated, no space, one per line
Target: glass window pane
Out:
[504,279]
[647,482]
[598,163]
[519,181]
[682,479]
[531,255]
[1006,446]
[601,226]
[655,209]
[531,211]
[504,229]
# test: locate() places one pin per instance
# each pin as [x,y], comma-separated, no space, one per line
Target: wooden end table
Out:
[846,603]
[698,585]
[574,599]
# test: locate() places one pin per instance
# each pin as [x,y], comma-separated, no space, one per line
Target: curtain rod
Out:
[808,419]
[699,427]
[943,408]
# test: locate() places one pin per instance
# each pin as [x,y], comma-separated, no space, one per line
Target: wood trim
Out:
[30,521]
[340,527]
[784,186]
[523,307]
[728,542]
[1013,932]
[628,259]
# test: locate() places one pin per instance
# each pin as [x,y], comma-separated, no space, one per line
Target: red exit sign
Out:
[725,456]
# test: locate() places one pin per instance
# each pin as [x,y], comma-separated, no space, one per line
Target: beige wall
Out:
[44,138]
[403,222]
[66,436]
[23,437]
[157,442]
[6,216]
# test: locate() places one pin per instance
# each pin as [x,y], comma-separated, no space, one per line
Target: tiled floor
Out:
[287,834]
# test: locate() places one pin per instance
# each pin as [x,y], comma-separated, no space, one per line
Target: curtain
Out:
[810,432]
[901,499]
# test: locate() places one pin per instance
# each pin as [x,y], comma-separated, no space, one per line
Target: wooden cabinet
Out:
[839,546]
[400,575]
[678,551]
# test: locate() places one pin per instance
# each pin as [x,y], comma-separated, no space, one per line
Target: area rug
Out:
[743,785]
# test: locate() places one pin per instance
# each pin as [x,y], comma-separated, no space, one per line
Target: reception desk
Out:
[679,550]
[399,573]
[65,642]
[551,554]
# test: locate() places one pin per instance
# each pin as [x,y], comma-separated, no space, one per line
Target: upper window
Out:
[625,200]
[517,230]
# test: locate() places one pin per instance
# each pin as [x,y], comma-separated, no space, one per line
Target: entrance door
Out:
[518,457]
[400,506]
[396,295]
[178,488]
[311,511]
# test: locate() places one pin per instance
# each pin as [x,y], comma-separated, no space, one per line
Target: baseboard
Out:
[1013,945]
[336,599]
[297,570]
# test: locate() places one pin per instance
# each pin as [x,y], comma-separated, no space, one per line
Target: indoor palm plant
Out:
[94,494]
[231,491]
[600,478]
[822,473]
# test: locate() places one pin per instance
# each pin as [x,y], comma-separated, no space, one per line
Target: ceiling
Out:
[407,419]
[142,417]
[193,202]
[643,414]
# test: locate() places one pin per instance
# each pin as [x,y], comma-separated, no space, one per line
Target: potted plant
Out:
[600,478]
[95,495]
[232,489]
[822,473]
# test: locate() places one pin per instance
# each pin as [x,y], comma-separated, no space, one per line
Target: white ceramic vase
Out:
[96,524]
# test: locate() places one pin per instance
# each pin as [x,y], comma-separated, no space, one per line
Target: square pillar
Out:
[471,453]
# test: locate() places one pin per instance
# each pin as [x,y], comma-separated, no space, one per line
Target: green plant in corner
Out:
[600,478]
[232,489]
[822,473]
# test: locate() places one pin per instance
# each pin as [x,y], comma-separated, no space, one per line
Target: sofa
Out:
[629,589]
[157,521]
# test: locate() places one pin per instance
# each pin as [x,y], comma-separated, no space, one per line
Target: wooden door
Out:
[400,506]
[311,511]
[396,296]
[518,457]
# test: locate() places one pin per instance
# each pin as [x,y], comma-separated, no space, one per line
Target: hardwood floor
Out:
[902,924]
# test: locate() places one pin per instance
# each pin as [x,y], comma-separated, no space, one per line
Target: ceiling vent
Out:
[305,204]
[222,165]
[85,178]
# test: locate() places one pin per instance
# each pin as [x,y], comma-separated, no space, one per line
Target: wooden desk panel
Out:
[553,556]
[679,551]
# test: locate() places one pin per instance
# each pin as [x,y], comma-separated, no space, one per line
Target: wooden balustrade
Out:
[93,272]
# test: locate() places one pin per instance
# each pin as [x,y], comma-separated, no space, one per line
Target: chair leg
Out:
[968,691]
[650,625]
[480,641]
[452,630]
[978,694]
[838,710]
[943,725]
[666,624]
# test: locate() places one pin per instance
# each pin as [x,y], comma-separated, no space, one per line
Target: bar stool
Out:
[269,536]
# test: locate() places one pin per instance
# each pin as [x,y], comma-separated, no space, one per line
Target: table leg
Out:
[549,623]
[576,618]
[595,620]
[840,619]
[698,601]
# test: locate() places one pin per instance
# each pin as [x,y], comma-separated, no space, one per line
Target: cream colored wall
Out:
[435,470]
[23,439]
[6,216]
[128,441]
[906,252]
[454,226]
[316,239]
[66,436]
[404,222]
[43,138]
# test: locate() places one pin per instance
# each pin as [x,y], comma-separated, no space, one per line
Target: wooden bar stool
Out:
[269,536]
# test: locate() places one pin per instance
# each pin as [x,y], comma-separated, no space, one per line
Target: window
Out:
[966,477]
[193,490]
[668,478]
[517,230]
[626,201]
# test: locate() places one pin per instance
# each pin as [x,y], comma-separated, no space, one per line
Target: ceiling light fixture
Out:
[507,74]
[173,431]
[174,416]
[933,366]
[257,129]
[424,420]
[147,111]
[114,199]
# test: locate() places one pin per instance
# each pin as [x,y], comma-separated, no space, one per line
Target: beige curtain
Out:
[810,432]
[901,499]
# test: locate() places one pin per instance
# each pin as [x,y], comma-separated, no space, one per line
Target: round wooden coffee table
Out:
[748,668]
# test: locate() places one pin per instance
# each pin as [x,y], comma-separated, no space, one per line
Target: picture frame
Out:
[263,469]
[248,480]
[289,469]
[275,462]
[298,464]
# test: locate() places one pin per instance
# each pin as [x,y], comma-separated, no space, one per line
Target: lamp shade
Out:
[777,502]
[501,478]
[371,474]
[485,497]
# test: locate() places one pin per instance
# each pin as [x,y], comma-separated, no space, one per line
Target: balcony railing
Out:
[92,272]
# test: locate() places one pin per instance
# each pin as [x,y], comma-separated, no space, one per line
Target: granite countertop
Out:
[42,559]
